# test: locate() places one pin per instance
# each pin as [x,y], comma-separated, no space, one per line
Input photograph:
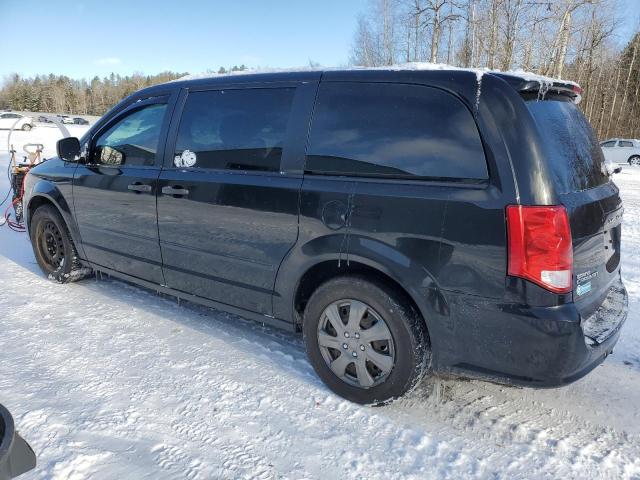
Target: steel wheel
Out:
[51,245]
[356,343]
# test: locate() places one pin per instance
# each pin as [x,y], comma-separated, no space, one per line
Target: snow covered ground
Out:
[108,380]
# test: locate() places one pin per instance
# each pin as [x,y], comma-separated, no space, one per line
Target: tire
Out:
[26,127]
[393,366]
[634,160]
[53,247]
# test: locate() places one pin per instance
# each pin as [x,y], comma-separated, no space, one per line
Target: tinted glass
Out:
[608,144]
[234,129]
[577,159]
[133,140]
[393,130]
[623,143]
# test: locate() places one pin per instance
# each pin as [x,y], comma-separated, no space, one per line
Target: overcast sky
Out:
[92,37]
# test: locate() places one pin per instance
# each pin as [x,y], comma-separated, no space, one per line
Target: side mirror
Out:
[68,149]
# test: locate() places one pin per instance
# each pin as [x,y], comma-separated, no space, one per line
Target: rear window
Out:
[577,159]
[393,131]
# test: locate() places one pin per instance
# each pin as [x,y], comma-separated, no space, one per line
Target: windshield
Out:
[577,160]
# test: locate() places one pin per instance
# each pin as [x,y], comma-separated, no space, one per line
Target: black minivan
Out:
[407,222]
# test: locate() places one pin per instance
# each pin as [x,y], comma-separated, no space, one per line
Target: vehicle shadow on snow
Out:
[223,325]
[504,413]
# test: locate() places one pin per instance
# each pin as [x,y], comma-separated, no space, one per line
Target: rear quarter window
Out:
[576,159]
[394,131]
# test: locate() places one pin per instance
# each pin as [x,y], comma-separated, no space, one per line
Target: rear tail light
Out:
[539,246]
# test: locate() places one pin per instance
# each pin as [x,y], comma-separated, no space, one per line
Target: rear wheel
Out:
[635,160]
[365,340]
[26,127]
[53,247]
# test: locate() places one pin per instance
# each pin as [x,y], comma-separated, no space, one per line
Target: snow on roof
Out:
[544,82]
[479,72]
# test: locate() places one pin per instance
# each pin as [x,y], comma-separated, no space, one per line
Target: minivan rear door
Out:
[229,191]
[591,198]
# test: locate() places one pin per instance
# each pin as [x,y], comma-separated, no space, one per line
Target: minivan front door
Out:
[114,191]
[228,201]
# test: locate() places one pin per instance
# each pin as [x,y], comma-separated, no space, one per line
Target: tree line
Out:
[570,39]
[61,94]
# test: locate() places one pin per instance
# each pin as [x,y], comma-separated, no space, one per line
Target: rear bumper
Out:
[532,346]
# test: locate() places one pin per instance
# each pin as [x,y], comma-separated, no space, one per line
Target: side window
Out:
[240,129]
[133,140]
[393,130]
[608,144]
[623,143]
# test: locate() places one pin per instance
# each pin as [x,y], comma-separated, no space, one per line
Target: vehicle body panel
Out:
[242,241]
[226,238]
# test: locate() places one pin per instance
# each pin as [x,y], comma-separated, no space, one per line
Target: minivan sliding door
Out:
[228,201]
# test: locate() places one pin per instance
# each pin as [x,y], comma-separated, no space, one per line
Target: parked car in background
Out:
[80,121]
[404,224]
[15,120]
[65,119]
[44,119]
[620,150]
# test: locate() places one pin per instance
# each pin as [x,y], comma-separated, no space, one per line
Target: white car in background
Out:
[619,150]
[15,120]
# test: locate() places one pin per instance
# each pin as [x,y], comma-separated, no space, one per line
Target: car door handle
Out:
[139,187]
[175,190]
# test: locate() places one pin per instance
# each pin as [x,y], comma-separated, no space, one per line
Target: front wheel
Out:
[365,341]
[53,247]
[635,160]
[26,127]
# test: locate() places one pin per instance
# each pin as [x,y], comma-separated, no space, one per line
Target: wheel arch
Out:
[635,155]
[326,270]
[300,275]
[44,193]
